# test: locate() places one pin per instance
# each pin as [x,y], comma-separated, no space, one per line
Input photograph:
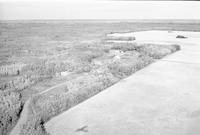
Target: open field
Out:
[56,65]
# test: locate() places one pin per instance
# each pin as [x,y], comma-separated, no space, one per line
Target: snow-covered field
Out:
[158,36]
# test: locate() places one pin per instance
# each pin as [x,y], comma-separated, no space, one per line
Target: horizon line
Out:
[108,20]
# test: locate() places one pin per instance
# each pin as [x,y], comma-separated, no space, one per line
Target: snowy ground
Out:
[156,36]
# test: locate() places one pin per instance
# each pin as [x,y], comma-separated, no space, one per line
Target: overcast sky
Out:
[91,9]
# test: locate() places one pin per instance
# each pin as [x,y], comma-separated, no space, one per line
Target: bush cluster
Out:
[128,65]
[13,69]
[180,36]
[10,108]
[157,51]
[125,38]
[124,46]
